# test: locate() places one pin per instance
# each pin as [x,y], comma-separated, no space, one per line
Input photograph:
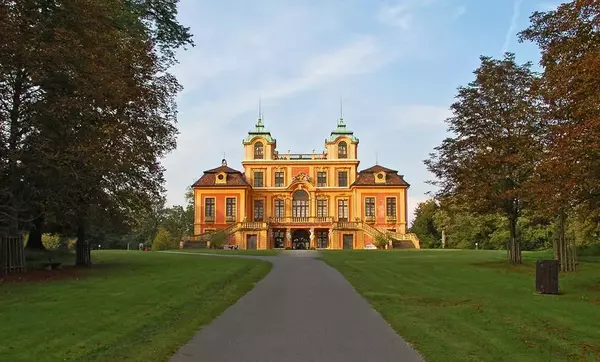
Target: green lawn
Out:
[139,306]
[473,306]
[269,252]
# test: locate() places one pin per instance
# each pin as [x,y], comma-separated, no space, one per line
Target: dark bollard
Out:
[546,276]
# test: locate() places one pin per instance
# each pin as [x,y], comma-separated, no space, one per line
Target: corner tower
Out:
[259,145]
[341,143]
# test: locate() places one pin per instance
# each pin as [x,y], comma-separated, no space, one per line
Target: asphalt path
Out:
[302,311]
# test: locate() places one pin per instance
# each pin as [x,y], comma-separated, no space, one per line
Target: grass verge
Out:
[473,306]
[138,306]
[268,252]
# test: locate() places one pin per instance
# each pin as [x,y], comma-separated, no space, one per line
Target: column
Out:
[313,241]
[288,238]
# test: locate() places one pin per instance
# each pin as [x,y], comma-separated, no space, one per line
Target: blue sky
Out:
[395,63]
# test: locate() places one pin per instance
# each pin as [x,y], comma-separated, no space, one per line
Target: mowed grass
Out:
[268,252]
[135,306]
[473,306]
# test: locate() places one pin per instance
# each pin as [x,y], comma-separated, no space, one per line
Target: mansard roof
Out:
[366,177]
[233,177]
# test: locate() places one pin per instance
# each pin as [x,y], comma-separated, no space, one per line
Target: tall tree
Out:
[569,40]
[424,224]
[495,143]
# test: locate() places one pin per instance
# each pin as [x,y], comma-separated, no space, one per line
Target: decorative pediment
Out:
[302,177]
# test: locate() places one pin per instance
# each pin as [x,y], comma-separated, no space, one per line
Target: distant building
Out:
[298,201]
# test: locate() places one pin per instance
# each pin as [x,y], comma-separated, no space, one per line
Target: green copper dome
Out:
[259,130]
[341,130]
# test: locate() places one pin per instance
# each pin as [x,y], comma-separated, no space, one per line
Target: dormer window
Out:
[380,177]
[258,151]
[221,178]
[342,150]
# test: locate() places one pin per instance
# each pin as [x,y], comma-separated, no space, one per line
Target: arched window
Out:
[258,151]
[300,204]
[342,150]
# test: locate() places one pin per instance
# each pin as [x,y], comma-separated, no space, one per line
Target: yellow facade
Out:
[298,201]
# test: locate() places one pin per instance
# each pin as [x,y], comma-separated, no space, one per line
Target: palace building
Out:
[300,201]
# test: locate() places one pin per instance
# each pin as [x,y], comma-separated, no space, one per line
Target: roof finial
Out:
[376,158]
[341,121]
[259,107]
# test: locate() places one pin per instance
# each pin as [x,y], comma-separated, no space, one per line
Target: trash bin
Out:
[546,276]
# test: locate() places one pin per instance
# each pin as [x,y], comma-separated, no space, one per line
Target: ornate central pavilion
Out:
[299,201]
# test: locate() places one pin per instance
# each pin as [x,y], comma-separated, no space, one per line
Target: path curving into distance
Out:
[302,311]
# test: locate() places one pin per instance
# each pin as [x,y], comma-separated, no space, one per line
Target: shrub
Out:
[218,239]
[52,242]
[164,240]
[381,241]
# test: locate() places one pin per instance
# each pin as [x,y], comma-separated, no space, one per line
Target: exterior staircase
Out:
[394,236]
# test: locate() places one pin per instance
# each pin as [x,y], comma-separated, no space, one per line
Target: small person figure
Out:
[141,246]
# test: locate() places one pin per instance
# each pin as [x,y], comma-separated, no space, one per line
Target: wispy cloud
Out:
[396,15]
[513,25]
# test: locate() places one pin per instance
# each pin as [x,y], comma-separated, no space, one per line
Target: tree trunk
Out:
[34,240]
[514,246]
[443,238]
[83,253]
[565,251]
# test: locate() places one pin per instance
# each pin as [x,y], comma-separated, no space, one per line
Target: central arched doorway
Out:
[300,239]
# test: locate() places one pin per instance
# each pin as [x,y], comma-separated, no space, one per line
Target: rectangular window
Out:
[322,239]
[390,206]
[370,207]
[321,179]
[279,179]
[343,179]
[209,208]
[322,208]
[230,207]
[259,210]
[279,208]
[258,179]
[342,210]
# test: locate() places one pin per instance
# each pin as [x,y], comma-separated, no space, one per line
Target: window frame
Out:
[391,212]
[279,210]
[322,174]
[282,183]
[342,146]
[210,207]
[259,151]
[258,216]
[230,208]
[255,180]
[322,208]
[370,207]
[345,173]
[343,209]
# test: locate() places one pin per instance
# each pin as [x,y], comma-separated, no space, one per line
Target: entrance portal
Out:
[300,239]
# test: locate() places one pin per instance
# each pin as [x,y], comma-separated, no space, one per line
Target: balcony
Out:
[229,219]
[390,219]
[287,220]
[300,156]
[370,219]
[209,218]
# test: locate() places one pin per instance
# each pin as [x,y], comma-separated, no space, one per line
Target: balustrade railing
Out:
[301,220]
[253,225]
[348,225]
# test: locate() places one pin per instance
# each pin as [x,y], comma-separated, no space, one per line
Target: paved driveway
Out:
[302,311]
